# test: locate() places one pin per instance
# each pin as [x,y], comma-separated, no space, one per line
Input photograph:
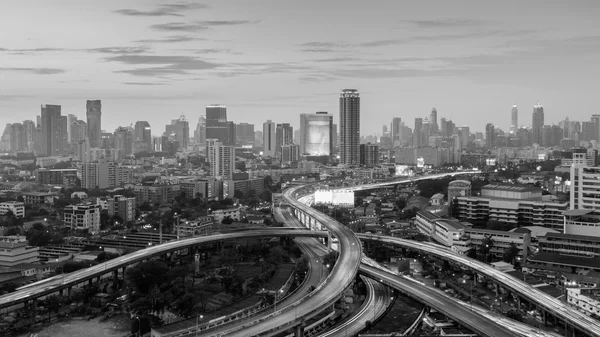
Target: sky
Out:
[275,59]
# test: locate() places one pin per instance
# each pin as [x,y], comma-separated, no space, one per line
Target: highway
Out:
[583,322]
[59,282]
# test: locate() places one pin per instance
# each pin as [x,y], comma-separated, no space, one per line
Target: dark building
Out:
[142,137]
[490,135]
[418,133]
[54,133]
[64,177]
[349,127]
[231,134]
[94,122]
[216,123]
[537,124]
[369,155]
[179,131]
[284,135]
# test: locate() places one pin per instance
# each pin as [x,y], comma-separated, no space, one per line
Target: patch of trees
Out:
[39,236]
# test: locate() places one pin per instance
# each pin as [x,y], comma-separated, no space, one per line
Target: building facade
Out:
[83,216]
[122,206]
[349,127]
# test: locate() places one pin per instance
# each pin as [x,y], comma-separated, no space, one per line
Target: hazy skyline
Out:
[155,60]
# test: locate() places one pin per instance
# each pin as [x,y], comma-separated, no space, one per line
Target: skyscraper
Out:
[94,122]
[142,137]
[79,132]
[29,127]
[244,134]
[179,131]
[284,135]
[269,139]
[349,127]
[221,158]
[316,134]
[54,131]
[200,133]
[123,142]
[70,119]
[490,135]
[216,123]
[514,120]
[433,124]
[537,123]
[396,131]
[418,132]
[369,155]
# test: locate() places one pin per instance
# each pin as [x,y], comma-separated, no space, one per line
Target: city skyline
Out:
[158,60]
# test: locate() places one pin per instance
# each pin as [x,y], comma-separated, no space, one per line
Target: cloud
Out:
[322,47]
[153,71]
[336,59]
[446,23]
[142,83]
[119,50]
[198,25]
[317,78]
[171,65]
[164,10]
[172,39]
[37,71]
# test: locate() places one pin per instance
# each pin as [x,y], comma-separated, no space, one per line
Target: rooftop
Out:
[560,236]
[572,261]
[512,188]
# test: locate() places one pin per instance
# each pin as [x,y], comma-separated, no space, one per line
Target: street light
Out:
[275,300]
[198,319]
[139,326]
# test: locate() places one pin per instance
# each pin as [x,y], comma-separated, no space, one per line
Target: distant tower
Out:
[349,127]
[514,120]
[94,122]
[269,140]
[537,123]
[433,124]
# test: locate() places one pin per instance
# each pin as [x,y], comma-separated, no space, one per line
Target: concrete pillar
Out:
[69,289]
[328,241]
[518,303]
[544,317]
[299,331]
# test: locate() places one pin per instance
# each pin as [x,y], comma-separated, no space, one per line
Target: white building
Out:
[234,213]
[586,300]
[13,253]
[221,158]
[583,218]
[16,207]
[83,216]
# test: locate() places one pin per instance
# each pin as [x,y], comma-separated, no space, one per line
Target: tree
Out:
[510,253]
[52,304]
[277,255]
[227,220]
[11,231]
[514,314]
[485,247]
[330,259]
[147,275]
[238,194]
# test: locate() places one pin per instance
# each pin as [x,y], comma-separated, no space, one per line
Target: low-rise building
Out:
[122,206]
[255,186]
[199,226]
[39,198]
[16,207]
[155,194]
[14,253]
[586,300]
[234,213]
[83,216]
[437,200]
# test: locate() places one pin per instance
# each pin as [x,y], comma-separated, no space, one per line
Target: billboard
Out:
[335,197]
[404,171]
[490,161]
[317,143]
[420,162]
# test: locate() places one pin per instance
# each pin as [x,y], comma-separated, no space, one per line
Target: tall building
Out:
[433,124]
[335,139]
[179,130]
[29,129]
[490,135]
[18,138]
[142,137]
[244,134]
[216,123]
[221,158]
[290,153]
[103,174]
[79,132]
[231,134]
[316,134]
[123,142]
[53,131]
[396,131]
[514,120]
[349,127]
[70,119]
[537,123]
[418,133]
[258,138]
[284,135]
[269,148]
[94,122]
[369,155]
[122,206]
[200,133]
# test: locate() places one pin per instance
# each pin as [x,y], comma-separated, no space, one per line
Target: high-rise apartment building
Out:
[433,124]
[396,131]
[316,134]
[53,131]
[290,153]
[123,142]
[335,139]
[537,123]
[200,133]
[514,120]
[103,174]
[79,132]
[94,122]
[82,216]
[231,134]
[216,123]
[490,135]
[349,127]
[269,148]
[369,155]
[221,159]
[18,138]
[122,206]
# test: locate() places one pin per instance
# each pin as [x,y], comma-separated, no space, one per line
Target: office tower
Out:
[29,129]
[142,137]
[70,119]
[216,123]
[269,139]
[335,138]
[297,136]
[107,141]
[200,133]
[369,155]
[595,128]
[433,124]
[5,141]
[179,130]
[284,135]
[290,153]
[490,135]
[384,130]
[537,123]
[231,134]
[123,142]
[221,159]
[18,140]
[465,134]
[396,131]
[79,131]
[258,138]
[316,134]
[514,120]
[82,150]
[349,127]
[94,122]
[54,131]
[244,134]
[418,133]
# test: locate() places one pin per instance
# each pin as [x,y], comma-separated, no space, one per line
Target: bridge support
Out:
[299,331]
[328,242]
